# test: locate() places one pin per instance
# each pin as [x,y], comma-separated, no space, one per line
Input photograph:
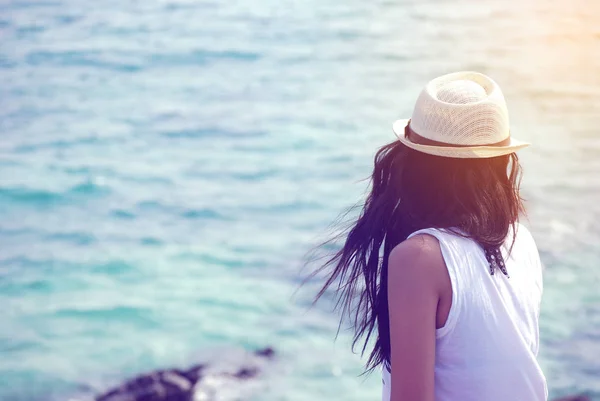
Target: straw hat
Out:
[459,115]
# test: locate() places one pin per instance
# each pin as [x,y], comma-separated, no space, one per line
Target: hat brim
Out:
[459,152]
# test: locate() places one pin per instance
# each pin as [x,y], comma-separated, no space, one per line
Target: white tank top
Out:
[487,349]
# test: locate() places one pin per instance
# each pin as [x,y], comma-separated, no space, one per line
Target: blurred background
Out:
[165,165]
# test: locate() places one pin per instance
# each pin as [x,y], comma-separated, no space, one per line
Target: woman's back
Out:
[443,313]
[487,348]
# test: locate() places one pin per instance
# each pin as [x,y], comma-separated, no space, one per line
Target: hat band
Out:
[420,140]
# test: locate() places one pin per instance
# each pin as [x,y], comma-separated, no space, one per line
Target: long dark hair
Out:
[410,190]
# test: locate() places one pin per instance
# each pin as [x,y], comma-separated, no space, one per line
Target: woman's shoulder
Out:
[444,237]
[420,244]
[418,258]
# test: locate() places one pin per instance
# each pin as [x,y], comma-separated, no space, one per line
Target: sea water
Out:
[165,165]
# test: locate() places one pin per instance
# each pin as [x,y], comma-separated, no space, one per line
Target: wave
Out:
[60,144]
[29,196]
[78,238]
[117,61]
[119,314]
[41,197]
[204,214]
[186,213]
[209,132]
[200,57]
[72,58]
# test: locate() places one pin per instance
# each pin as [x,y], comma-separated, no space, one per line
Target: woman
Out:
[437,274]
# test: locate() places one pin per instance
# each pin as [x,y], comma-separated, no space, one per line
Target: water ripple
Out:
[202,214]
[201,57]
[29,196]
[73,58]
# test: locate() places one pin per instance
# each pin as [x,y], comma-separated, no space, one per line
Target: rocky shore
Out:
[202,383]
[198,383]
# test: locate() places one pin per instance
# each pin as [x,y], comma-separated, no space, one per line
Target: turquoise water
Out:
[165,166]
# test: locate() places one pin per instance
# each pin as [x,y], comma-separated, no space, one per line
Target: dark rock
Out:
[265,352]
[194,373]
[176,384]
[580,397]
[163,385]
[246,373]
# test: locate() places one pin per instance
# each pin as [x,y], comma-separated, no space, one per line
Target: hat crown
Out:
[463,108]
